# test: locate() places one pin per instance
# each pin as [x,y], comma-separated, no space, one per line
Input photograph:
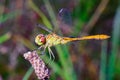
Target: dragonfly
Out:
[52,39]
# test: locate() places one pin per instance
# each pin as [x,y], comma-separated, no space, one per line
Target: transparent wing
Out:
[65,21]
[65,16]
[44,28]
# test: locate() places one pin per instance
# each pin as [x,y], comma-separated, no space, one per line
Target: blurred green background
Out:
[79,60]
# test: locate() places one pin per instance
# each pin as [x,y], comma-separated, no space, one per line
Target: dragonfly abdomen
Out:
[96,37]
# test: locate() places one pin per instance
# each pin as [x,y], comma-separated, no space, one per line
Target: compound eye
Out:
[43,40]
[40,39]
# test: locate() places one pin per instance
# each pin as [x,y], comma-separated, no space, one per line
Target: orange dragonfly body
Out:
[52,39]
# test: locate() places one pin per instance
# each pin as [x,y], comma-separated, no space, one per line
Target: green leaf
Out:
[5,17]
[5,37]
[115,46]
[28,73]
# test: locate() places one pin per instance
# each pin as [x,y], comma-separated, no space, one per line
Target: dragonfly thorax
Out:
[40,39]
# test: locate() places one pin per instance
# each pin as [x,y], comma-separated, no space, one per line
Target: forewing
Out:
[44,28]
[65,21]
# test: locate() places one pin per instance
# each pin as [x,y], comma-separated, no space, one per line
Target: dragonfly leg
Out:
[42,49]
[51,53]
[50,56]
[38,48]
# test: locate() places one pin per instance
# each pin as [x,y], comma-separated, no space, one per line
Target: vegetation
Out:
[79,60]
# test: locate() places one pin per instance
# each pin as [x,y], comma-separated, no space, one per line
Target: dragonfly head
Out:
[40,39]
